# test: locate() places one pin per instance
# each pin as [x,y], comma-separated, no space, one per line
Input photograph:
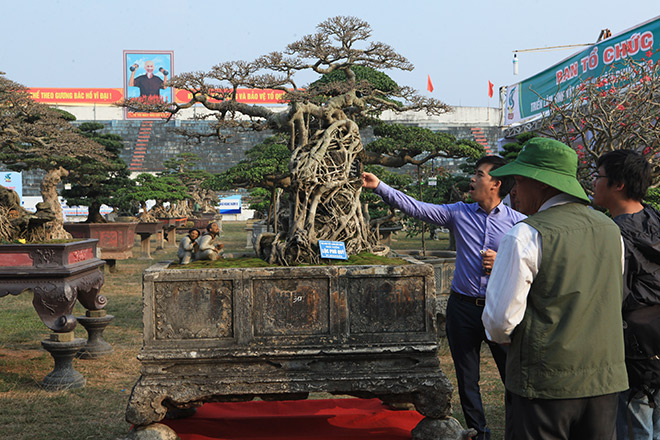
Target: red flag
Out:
[429,84]
[490,89]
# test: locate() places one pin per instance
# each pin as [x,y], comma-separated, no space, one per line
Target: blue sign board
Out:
[230,205]
[333,249]
[12,180]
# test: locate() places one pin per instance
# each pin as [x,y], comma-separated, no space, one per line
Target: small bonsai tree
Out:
[35,136]
[201,197]
[161,189]
[94,182]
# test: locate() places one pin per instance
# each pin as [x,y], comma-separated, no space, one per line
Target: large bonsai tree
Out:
[35,136]
[324,140]
[94,182]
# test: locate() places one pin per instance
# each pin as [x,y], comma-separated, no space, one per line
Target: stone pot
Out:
[116,239]
[283,332]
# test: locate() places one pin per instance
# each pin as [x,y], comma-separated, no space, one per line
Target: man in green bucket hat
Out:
[555,295]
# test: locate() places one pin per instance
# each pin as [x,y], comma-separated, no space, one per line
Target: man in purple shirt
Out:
[477,228]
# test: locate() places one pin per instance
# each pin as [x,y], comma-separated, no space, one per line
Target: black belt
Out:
[477,301]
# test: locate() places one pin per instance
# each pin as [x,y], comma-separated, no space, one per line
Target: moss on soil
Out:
[364,259]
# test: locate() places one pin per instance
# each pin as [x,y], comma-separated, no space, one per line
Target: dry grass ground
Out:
[97,410]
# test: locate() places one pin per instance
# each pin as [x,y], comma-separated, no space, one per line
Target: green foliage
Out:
[653,198]
[183,167]
[377,80]
[163,188]
[65,114]
[377,208]
[512,149]
[259,199]
[399,144]
[95,182]
[266,166]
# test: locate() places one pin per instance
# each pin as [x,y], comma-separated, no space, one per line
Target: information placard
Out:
[333,249]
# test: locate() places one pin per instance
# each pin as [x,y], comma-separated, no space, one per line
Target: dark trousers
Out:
[465,333]
[589,418]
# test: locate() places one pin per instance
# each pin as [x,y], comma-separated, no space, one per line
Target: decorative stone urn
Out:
[57,274]
[283,332]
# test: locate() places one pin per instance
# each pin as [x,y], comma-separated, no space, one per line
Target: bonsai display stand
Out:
[145,230]
[63,347]
[95,321]
[57,274]
[281,333]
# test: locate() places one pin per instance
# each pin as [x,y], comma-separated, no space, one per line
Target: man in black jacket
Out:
[621,182]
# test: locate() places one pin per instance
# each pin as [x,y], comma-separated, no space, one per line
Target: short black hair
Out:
[208,227]
[194,229]
[507,182]
[629,168]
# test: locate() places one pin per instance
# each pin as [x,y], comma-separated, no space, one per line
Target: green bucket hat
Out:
[548,161]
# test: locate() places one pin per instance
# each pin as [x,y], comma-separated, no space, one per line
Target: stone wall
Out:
[147,144]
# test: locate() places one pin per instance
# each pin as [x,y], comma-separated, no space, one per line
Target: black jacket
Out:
[641,236]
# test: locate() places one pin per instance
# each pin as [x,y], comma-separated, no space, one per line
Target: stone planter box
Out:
[281,333]
[116,240]
[202,219]
[444,263]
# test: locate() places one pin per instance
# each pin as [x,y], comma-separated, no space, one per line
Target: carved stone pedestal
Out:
[145,230]
[281,333]
[57,274]
[95,321]
[63,347]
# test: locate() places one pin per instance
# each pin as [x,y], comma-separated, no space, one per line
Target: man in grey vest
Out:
[555,295]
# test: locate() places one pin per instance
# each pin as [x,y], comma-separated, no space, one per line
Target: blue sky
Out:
[460,44]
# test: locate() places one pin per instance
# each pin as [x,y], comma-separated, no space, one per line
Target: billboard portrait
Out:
[146,75]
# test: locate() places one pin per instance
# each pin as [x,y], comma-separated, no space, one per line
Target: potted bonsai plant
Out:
[95,183]
[37,254]
[168,193]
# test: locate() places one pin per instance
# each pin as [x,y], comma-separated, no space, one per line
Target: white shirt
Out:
[515,268]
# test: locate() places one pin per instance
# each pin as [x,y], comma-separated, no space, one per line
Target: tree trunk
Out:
[327,182]
[94,214]
[49,195]
[421,199]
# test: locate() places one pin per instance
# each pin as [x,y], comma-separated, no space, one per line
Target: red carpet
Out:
[300,419]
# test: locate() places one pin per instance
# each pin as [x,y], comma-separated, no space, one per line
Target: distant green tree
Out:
[399,144]
[511,149]
[161,189]
[653,198]
[94,182]
[201,196]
